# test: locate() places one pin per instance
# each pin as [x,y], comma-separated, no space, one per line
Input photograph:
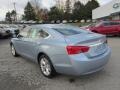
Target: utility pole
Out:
[14,4]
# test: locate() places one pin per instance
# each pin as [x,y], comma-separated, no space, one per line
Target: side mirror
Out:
[17,32]
[15,35]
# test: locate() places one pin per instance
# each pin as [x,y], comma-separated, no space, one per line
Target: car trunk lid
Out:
[96,42]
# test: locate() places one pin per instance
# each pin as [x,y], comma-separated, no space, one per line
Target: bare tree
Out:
[36,5]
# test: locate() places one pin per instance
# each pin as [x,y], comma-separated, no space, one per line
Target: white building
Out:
[108,11]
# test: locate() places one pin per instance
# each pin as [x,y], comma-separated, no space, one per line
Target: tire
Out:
[46,66]
[1,37]
[13,51]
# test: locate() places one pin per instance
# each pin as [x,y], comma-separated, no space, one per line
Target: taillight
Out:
[76,49]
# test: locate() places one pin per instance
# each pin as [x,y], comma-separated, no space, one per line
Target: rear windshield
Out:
[68,32]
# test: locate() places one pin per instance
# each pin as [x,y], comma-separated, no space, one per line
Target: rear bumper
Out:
[81,65]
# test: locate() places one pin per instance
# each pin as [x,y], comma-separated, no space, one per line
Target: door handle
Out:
[21,40]
[18,39]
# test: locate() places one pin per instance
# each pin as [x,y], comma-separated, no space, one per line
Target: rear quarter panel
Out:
[55,48]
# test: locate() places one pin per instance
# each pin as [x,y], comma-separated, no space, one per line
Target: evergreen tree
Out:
[91,5]
[67,14]
[78,11]
[29,12]
[8,17]
[55,14]
[37,7]
[14,15]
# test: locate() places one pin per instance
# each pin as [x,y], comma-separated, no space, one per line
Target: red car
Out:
[105,27]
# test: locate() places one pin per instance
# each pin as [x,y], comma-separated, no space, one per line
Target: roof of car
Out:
[53,25]
[111,21]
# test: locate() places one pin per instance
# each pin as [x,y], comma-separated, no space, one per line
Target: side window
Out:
[24,32]
[99,24]
[106,24]
[43,34]
[32,33]
[35,34]
[115,23]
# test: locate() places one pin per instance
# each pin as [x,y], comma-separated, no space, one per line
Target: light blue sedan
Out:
[62,49]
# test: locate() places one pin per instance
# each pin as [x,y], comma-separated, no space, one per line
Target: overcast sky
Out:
[7,5]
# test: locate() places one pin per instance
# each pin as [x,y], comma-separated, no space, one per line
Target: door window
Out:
[35,34]
[32,33]
[43,34]
[106,24]
[114,23]
[24,32]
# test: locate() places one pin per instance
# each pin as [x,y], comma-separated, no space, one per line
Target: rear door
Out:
[30,44]
[35,37]
[26,45]
[20,42]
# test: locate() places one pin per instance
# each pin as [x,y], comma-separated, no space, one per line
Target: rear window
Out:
[106,23]
[68,32]
[114,23]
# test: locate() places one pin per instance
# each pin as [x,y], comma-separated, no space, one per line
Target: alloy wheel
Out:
[13,50]
[45,66]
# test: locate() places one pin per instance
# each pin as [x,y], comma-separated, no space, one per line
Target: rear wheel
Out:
[46,66]
[119,35]
[13,51]
[1,36]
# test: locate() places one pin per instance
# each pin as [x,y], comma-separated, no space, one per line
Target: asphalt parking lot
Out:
[22,74]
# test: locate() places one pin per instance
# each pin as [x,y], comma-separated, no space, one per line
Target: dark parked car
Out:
[14,30]
[105,27]
[4,32]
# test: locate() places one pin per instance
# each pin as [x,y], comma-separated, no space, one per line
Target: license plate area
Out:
[97,49]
